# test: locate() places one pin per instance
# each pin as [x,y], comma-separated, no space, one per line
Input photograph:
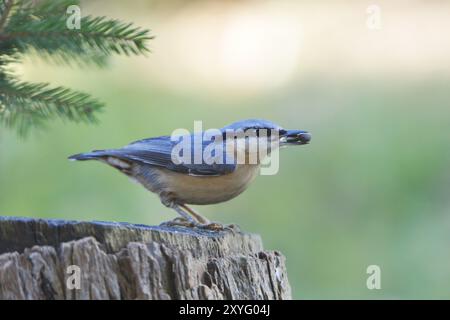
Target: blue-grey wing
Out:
[158,152]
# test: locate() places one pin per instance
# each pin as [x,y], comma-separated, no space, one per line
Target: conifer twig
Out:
[28,26]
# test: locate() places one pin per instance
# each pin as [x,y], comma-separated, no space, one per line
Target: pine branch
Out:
[97,34]
[25,105]
[5,9]
[43,29]
[39,27]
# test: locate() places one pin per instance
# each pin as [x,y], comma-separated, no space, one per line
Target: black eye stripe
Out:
[260,131]
[266,132]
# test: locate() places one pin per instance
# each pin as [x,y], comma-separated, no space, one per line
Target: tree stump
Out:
[39,260]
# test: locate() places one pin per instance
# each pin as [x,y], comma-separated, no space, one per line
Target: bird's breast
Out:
[203,189]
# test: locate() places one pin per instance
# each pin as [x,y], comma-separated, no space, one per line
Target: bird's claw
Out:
[178,222]
[210,226]
[214,226]
[233,228]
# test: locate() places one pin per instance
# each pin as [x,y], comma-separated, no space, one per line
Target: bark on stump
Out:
[126,261]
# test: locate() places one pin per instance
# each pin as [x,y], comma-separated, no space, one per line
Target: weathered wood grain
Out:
[125,261]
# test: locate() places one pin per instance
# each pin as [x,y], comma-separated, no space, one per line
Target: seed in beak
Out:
[304,137]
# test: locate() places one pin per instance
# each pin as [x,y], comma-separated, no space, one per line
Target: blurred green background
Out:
[371,188]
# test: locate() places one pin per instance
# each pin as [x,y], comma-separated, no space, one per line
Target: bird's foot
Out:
[179,222]
[214,226]
[210,226]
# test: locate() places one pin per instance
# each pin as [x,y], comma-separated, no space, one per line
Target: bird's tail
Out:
[108,156]
[94,155]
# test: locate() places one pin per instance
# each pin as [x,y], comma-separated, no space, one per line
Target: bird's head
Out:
[248,136]
[268,130]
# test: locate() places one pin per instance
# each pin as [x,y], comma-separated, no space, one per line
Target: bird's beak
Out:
[295,137]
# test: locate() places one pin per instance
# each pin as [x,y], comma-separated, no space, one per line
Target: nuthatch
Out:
[153,163]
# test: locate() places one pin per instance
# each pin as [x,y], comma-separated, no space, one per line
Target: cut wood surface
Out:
[127,261]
